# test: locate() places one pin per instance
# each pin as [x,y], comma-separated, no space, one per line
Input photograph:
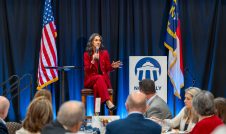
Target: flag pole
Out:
[174,105]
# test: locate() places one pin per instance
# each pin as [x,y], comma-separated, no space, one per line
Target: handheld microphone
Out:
[97,50]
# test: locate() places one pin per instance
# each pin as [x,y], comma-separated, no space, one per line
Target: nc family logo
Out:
[147,68]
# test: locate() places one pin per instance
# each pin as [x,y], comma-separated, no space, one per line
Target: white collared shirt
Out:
[1,120]
[150,99]
[135,112]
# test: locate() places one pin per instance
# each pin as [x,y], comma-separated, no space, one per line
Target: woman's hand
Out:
[95,56]
[116,64]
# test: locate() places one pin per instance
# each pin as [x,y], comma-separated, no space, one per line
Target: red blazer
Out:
[91,70]
[207,125]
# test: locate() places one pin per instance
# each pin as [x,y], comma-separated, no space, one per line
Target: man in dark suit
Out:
[3,128]
[157,107]
[4,107]
[135,123]
[69,119]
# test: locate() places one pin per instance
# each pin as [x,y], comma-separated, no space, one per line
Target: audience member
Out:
[69,119]
[39,114]
[220,108]
[4,107]
[44,92]
[157,107]
[135,123]
[203,104]
[219,130]
[186,119]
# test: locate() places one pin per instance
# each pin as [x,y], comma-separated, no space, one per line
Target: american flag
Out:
[173,43]
[48,52]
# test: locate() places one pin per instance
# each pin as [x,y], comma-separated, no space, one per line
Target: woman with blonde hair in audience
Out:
[39,114]
[186,119]
[220,108]
[44,92]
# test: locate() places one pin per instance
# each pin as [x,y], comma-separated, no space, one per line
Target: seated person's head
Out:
[147,86]
[71,115]
[4,107]
[189,94]
[39,114]
[189,112]
[203,103]
[220,108]
[136,101]
[44,92]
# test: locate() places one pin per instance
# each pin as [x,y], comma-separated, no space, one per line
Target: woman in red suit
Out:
[97,68]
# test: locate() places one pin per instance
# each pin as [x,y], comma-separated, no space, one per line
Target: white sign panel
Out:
[149,67]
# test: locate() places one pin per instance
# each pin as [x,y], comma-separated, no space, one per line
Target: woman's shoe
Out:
[112,108]
[110,105]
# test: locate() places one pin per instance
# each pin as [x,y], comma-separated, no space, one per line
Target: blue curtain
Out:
[128,27]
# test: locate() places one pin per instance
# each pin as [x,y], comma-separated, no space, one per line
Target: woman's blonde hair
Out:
[39,114]
[190,113]
[44,92]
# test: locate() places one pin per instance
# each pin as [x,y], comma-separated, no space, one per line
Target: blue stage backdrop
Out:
[128,27]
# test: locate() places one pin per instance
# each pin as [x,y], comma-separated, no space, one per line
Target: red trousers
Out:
[99,85]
